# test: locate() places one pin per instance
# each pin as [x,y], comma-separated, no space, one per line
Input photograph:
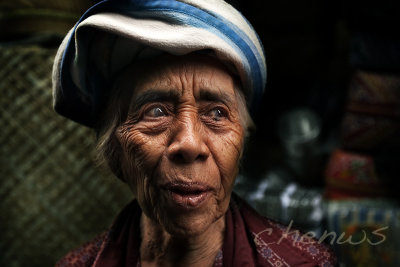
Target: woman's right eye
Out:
[156,112]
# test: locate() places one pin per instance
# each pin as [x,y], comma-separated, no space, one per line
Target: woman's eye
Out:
[218,113]
[156,112]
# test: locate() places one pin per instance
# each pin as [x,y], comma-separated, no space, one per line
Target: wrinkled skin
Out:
[182,127]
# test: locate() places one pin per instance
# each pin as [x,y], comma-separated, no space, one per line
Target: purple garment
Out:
[250,240]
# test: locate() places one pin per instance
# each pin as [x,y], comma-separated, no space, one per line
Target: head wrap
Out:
[115,33]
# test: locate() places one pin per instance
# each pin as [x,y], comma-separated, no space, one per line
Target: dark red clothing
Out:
[250,240]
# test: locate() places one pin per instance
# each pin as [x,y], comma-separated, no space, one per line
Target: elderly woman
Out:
[167,86]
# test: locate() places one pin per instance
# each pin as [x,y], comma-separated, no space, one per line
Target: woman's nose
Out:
[187,144]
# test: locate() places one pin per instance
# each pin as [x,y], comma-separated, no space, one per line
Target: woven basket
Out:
[52,197]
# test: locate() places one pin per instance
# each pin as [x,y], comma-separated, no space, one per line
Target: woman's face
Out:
[181,142]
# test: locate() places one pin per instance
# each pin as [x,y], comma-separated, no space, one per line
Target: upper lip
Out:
[187,188]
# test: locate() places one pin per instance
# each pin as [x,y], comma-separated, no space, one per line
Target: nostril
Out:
[185,155]
[201,157]
[182,157]
[178,157]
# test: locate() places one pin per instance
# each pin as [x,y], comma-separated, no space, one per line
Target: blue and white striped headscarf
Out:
[113,33]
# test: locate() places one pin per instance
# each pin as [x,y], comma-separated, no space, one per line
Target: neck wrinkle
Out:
[159,248]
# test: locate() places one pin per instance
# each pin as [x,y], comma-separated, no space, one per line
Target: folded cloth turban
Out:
[114,33]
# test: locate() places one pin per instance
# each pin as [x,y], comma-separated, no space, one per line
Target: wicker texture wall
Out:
[52,197]
[33,17]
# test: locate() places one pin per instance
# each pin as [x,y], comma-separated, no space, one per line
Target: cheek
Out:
[227,151]
[140,156]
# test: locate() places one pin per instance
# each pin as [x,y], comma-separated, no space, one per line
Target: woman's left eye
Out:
[218,113]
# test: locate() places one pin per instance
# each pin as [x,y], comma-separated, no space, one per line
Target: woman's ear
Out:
[113,155]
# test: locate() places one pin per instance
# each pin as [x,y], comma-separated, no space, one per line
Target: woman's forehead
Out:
[194,75]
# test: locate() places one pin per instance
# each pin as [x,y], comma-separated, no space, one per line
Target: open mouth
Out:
[189,195]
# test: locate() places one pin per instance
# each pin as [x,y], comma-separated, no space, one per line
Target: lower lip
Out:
[189,200]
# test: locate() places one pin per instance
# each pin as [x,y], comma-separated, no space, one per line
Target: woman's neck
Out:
[159,248]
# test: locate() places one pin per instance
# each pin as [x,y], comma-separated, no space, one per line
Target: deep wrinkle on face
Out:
[183,128]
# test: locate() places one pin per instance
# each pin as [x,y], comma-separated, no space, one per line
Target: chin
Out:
[195,222]
[189,227]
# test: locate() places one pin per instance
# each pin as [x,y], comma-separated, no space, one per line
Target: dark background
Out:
[309,48]
[53,197]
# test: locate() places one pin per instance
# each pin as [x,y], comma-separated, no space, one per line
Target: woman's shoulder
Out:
[279,242]
[85,255]
[284,245]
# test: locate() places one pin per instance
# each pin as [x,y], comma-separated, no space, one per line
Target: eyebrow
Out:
[219,96]
[156,95]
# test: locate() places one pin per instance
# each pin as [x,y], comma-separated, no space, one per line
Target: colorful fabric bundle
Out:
[365,165]
[371,121]
[364,232]
[350,174]
[115,33]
